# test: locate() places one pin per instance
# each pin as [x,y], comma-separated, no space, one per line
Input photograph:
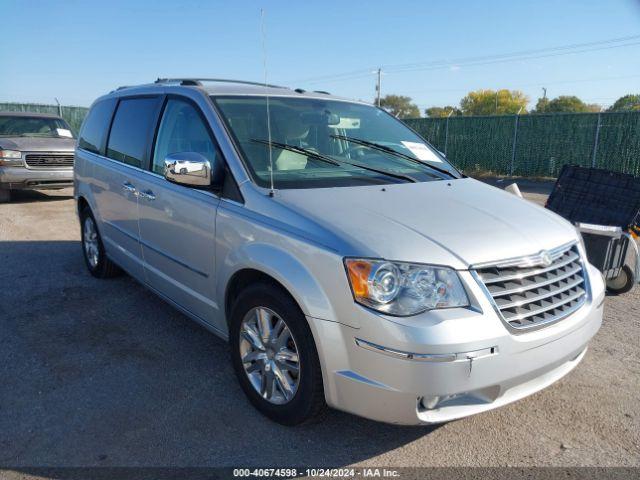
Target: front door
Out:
[177,223]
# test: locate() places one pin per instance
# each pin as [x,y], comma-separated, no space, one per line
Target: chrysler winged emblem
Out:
[545,258]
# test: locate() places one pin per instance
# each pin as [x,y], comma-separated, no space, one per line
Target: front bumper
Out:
[470,363]
[24,178]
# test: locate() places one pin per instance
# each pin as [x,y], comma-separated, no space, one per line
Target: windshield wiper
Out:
[391,151]
[324,158]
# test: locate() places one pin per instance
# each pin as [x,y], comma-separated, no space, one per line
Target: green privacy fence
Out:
[73,115]
[536,145]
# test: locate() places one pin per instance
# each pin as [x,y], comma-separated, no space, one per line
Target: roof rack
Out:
[198,82]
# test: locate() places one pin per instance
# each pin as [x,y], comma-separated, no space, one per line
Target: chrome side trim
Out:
[173,259]
[427,357]
[121,230]
[157,250]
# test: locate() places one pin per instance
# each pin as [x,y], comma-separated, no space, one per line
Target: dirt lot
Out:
[103,373]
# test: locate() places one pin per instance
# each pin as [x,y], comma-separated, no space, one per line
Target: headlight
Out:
[10,157]
[404,289]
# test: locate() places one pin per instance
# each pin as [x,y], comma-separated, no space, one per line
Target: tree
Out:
[490,102]
[567,103]
[626,103]
[400,106]
[542,105]
[435,112]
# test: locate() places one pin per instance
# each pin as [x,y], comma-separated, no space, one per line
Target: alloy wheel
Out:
[269,355]
[90,241]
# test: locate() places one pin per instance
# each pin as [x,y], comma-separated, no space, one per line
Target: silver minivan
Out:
[344,259]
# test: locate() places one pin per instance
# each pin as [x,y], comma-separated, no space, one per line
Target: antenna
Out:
[266,86]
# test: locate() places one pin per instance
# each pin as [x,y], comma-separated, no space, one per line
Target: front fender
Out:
[285,268]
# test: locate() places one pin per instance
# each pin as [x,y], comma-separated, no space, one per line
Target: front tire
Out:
[95,257]
[623,283]
[274,355]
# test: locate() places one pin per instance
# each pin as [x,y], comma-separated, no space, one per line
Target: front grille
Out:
[49,159]
[529,293]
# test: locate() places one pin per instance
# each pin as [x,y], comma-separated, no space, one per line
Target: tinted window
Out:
[132,124]
[95,127]
[182,130]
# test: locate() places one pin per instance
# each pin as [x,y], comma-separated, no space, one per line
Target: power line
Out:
[505,60]
[515,87]
[480,60]
[512,54]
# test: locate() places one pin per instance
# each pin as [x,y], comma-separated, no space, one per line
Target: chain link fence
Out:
[520,145]
[73,115]
[536,145]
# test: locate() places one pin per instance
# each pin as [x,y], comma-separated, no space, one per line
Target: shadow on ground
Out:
[30,196]
[104,373]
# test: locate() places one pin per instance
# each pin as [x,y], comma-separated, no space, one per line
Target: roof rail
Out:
[198,81]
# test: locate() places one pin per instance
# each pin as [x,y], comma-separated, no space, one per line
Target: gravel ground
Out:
[103,373]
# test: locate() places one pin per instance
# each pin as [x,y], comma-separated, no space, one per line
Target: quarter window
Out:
[182,130]
[134,120]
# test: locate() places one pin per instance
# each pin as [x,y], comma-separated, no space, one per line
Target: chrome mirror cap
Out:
[188,168]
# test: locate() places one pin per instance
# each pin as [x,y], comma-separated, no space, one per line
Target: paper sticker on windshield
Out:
[348,123]
[63,132]
[421,151]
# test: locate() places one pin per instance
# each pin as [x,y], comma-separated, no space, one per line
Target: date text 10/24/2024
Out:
[317,472]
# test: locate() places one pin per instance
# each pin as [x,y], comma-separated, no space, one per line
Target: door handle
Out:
[129,187]
[147,195]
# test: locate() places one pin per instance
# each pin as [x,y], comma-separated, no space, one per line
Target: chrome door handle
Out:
[129,187]
[147,195]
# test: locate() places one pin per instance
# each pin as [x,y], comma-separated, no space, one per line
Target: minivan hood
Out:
[458,223]
[38,144]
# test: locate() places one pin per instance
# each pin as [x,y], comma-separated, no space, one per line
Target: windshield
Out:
[19,126]
[328,143]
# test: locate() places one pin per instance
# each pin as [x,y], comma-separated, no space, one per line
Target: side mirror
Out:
[191,169]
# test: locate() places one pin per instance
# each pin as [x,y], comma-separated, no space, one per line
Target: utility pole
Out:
[59,106]
[496,102]
[544,93]
[379,85]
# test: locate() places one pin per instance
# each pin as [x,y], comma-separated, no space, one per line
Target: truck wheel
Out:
[623,283]
[95,257]
[274,355]
[5,195]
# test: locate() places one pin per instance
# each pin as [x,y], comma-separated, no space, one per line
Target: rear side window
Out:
[134,121]
[96,126]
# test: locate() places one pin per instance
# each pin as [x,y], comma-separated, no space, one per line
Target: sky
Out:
[78,50]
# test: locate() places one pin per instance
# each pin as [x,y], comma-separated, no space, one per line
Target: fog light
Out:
[431,403]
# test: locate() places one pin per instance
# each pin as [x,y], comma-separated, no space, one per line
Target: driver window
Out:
[181,130]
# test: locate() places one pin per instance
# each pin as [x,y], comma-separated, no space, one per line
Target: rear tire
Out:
[305,401]
[93,251]
[5,195]
[623,283]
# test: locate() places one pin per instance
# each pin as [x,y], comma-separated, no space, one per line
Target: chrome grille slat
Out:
[528,293]
[551,293]
[551,306]
[49,160]
[565,261]
[523,288]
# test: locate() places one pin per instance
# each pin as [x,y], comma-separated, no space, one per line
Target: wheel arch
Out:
[269,264]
